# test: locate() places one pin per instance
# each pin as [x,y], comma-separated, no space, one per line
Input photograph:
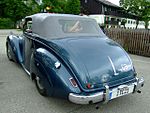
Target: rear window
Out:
[78,26]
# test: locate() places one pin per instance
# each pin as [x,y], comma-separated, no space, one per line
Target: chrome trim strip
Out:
[57,65]
[26,70]
[106,94]
[72,83]
[114,69]
[139,83]
[81,99]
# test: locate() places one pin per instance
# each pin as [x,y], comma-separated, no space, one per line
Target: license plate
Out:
[121,91]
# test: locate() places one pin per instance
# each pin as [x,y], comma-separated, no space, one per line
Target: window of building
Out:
[105,8]
[113,19]
[118,19]
[112,9]
[128,21]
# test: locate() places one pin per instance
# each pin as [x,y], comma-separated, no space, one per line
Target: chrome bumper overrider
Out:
[101,96]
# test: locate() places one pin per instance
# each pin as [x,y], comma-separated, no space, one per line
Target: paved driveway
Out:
[18,93]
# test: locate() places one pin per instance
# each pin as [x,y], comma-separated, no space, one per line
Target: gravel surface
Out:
[18,93]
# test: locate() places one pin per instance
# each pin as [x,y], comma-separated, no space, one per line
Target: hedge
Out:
[6,23]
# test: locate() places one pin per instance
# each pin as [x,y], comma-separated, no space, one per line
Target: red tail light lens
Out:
[88,85]
[73,82]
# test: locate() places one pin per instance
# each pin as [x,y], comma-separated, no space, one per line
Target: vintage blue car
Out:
[69,56]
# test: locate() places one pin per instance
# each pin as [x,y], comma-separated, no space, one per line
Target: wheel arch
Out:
[43,65]
[15,43]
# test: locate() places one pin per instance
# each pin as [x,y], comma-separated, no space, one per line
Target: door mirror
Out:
[28,26]
[28,30]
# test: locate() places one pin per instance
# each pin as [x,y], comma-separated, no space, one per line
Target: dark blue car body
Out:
[75,67]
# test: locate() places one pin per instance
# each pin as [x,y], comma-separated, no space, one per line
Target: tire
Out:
[8,51]
[40,87]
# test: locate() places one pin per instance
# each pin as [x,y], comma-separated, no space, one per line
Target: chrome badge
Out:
[125,67]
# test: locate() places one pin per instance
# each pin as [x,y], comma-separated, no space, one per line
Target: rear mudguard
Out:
[56,81]
[17,44]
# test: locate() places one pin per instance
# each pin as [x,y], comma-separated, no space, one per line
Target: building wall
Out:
[98,18]
[106,20]
[91,7]
[115,22]
[110,16]
[130,24]
[141,25]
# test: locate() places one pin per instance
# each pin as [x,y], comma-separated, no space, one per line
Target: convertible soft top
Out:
[53,26]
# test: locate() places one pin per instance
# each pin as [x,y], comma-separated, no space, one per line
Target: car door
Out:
[28,43]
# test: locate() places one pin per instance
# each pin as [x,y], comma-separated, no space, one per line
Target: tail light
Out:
[73,82]
[88,85]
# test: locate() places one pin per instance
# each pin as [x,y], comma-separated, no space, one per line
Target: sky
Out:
[114,2]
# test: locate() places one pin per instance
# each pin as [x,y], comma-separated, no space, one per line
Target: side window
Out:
[28,26]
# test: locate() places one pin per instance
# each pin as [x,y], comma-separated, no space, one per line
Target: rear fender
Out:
[43,62]
[17,45]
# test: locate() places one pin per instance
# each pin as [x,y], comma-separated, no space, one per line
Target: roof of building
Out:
[108,3]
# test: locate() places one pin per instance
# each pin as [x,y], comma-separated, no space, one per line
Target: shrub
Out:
[6,23]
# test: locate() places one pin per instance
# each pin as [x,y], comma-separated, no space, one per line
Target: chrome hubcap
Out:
[38,83]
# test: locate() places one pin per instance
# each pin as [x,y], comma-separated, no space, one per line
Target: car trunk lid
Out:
[96,61]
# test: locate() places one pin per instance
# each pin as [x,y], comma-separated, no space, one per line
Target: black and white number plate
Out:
[121,91]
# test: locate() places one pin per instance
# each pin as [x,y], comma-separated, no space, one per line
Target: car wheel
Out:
[8,50]
[40,87]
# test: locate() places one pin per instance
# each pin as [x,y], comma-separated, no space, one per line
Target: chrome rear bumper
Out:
[100,96]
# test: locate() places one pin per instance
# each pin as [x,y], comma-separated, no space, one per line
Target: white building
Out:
[116,22]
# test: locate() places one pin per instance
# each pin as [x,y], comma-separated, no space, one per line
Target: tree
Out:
[140,8]
[33,6]
[73,7]
[146,13]
[2,6]
[54,6]
[17,9]
[61,6]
